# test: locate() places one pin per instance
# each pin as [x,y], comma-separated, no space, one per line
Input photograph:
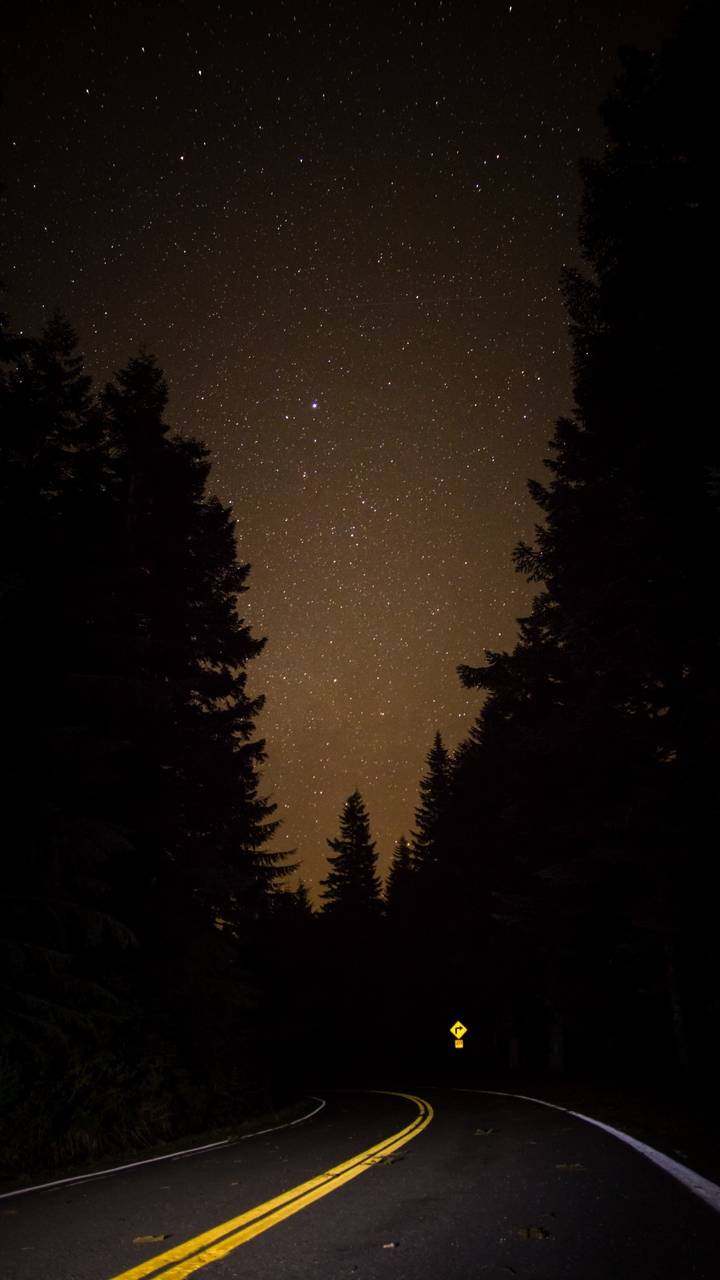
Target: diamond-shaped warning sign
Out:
[458,1030]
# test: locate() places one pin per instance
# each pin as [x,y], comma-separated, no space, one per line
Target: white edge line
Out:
[702,1187]
[290,1123]
[172,1155]
[118,1168]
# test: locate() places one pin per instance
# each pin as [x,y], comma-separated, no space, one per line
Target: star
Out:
[420,294]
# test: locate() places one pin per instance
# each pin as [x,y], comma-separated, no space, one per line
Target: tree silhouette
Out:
[592,751]
[137,824]
[293,908]
[302,900]
[399,886]
[352,886]
[429,816]
[64,938]
[187,718]
[350,927]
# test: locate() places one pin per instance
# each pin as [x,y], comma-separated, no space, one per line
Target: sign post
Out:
[458,1031]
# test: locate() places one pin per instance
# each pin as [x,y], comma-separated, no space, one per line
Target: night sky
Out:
[341,229]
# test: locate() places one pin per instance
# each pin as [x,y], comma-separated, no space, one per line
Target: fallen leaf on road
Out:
[571,1167]
[533,1233]
[482,1133]
[392,1245]
[151,1239]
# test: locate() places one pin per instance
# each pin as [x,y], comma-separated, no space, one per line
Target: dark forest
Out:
[559,889]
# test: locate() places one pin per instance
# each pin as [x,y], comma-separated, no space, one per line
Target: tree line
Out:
[562,886]
[137,871]
[559,890]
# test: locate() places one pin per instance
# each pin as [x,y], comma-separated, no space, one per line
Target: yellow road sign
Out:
[458,1044]
[458,1030]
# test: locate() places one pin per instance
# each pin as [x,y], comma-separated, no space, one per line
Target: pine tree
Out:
[137,820]
[593,747]
[352,886]
[64,940]
[53,475]
[292,907]
[188,776]
[302,900]
[630,495]
[182,651]
[399,886]
[430,815]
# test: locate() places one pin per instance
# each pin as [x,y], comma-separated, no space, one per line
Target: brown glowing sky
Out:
[341,230]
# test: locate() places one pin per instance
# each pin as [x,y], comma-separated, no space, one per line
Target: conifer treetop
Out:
[352,884]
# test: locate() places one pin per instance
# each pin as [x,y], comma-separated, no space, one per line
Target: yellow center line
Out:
[211,1245]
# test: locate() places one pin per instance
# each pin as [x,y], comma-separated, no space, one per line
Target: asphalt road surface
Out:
[439,1185]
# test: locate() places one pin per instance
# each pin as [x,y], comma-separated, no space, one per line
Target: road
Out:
[462,1186]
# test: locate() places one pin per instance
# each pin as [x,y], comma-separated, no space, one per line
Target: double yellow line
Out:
[219,1241]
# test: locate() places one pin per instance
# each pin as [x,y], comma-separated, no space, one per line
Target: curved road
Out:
[433,1185]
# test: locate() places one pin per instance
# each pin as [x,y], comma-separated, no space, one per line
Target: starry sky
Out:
[340,227]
